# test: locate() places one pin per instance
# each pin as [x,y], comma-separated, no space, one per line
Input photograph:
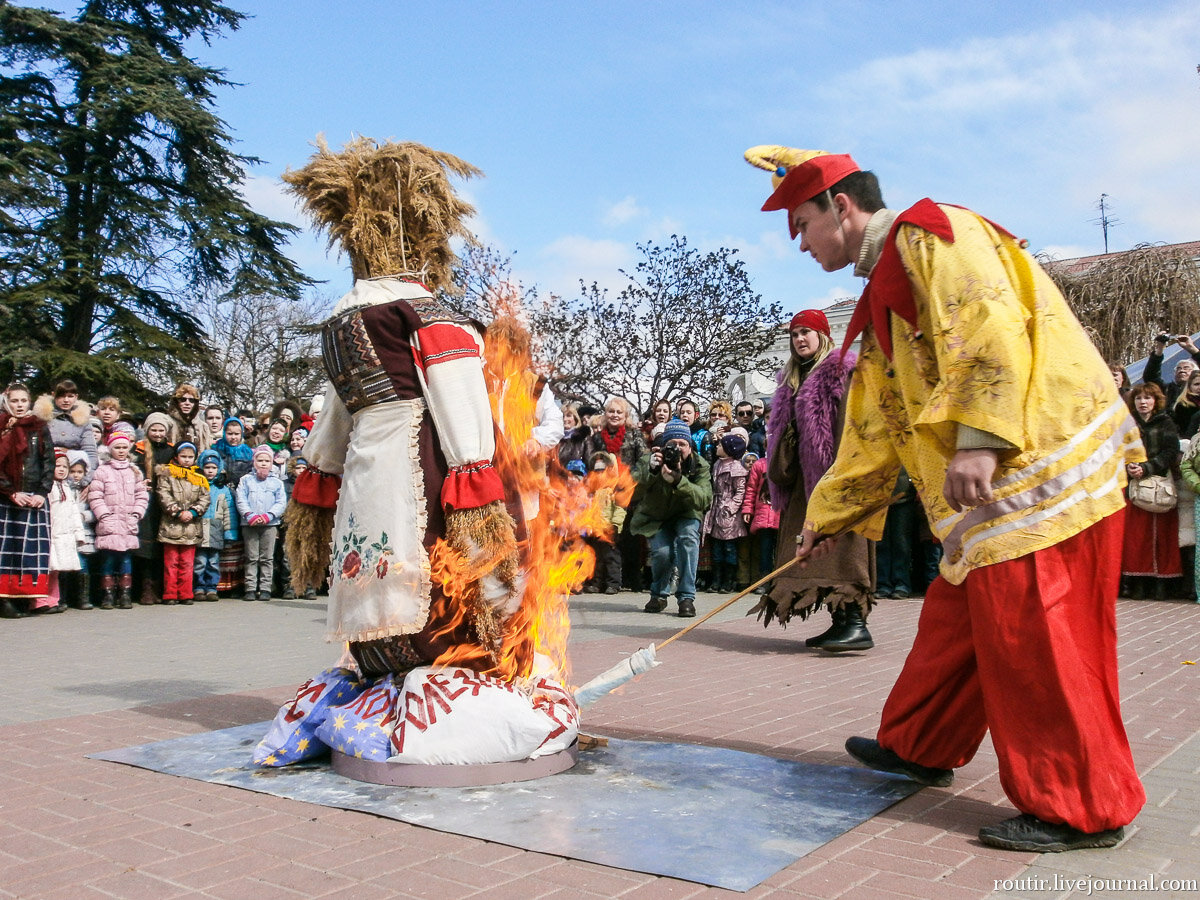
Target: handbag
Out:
[1153,493]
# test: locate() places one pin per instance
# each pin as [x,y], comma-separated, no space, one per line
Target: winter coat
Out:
[37,468]
[118,497]
[633,447]
[178,494]
[724,518]
[87,536]
[66,529]
[219,523]
[812,410]
[576,444]
[71,429]
[757,502]
[660,501]
[260,495]
[1160,438]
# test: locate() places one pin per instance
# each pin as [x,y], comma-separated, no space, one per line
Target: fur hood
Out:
[814,410]
[44,409]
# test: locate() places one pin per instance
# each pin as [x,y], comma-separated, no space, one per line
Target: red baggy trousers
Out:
[1027,648]
[178,562]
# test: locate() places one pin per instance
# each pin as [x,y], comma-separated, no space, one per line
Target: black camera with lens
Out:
[671,456]
[1164,339]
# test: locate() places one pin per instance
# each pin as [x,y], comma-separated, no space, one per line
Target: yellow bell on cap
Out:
[773,157]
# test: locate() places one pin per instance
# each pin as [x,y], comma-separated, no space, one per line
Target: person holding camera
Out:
[672,493]
[1183,369]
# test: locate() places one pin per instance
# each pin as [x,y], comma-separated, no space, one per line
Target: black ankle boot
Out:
[853,634]
[839,621]
[109,585]
[125,598]
[84,586]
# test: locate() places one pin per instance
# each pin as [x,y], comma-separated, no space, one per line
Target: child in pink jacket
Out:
[758,513]
[118,498]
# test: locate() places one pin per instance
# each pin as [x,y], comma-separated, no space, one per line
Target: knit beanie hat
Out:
[676,429]
[183,445]
[209,456]
[734,442]
[161,418]
[263,450]
[576,467]
[79,456]
[120,434]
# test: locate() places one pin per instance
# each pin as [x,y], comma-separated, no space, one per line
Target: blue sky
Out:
[599,126]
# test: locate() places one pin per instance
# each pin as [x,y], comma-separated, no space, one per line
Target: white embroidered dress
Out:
[406,386]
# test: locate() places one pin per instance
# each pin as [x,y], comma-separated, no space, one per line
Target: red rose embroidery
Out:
[381,568]
[351,565]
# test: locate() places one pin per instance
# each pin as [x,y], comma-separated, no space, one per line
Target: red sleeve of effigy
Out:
[315,488]
[472,486]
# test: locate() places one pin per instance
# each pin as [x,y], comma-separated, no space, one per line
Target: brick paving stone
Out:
[246,888]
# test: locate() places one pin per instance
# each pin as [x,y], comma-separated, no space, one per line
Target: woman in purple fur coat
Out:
[801,443]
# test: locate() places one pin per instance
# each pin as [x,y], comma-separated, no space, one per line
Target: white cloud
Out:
[623,212]
[562,263]
[266,195]
[1065,251]
[1054,117]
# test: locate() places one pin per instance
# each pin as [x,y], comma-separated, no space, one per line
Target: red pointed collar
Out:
[888,289]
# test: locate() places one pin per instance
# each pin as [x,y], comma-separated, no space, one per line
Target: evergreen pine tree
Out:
[120,195]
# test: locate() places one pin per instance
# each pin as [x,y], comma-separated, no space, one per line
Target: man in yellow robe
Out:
[975,376]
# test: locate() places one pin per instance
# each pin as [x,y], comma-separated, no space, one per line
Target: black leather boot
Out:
[109,585]
[83,585]
[125,600]
[839,621]
[853,634]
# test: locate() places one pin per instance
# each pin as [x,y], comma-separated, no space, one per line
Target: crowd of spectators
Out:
[103,509]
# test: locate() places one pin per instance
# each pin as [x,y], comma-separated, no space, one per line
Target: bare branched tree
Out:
[262,349]
[685,322]
[1128,298]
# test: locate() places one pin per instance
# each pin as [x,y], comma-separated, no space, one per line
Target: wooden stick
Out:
[821,538]
[734,599]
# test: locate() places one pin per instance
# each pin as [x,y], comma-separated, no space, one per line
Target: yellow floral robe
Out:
[996,348]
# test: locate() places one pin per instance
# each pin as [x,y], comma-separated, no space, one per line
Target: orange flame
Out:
[554,556]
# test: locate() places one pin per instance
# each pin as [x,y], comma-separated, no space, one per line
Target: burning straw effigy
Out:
[450,600]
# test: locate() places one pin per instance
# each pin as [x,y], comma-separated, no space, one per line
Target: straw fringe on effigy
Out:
[390,206]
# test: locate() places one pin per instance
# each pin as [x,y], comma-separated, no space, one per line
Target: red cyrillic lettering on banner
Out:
[308,691]
[443,684]
[370,703]
[420,720]
[553,707]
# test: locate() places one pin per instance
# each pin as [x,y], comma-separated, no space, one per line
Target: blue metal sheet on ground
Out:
[706,814]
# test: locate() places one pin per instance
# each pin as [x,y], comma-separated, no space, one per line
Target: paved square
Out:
[85,682]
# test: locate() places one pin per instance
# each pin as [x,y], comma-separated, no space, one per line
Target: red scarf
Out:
[613,440]
[14,441]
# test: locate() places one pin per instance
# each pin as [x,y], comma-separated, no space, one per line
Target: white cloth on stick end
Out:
[611,679]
